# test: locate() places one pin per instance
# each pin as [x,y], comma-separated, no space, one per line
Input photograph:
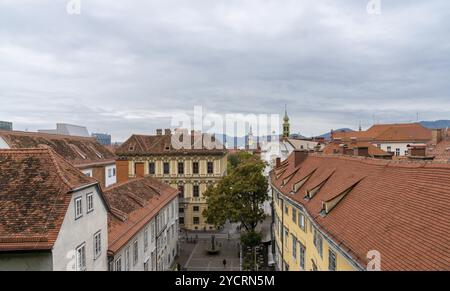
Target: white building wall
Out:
[110,175]
[75,232]
[161,250]
[403,147]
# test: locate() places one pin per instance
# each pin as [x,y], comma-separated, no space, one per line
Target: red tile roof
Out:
[162,145]
[408,132]
[334,147]
[133,205]
[35,192]
[81,152]
[401,209]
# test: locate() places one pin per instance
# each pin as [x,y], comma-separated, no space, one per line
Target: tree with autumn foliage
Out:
[239,196]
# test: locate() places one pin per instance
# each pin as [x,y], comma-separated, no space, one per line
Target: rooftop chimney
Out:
[436,136]
[278,162]
[159,131]
[417,150]
[167,131]
[300,156]
[343,149]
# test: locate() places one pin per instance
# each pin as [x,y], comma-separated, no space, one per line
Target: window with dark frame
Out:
[97,244]
[318,242]
[331,260]
[127,259]
[135,253]
[294,247]
[196,209]
[180,168]
[118,265]
[90,202]
[196,191]
[151,168]
[166,168]
[302,256]
[196,220]
[195,168]
[145,239]
[210,166]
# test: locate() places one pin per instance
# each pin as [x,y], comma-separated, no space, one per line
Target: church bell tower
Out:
[286,126]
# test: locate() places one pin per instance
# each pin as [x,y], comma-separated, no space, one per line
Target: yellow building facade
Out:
[299,243]
[190,182]
[191,171]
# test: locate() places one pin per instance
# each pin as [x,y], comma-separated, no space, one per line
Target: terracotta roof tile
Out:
[79,151]
[35,187]
[408,132]
[401,209]
[162,144]
[334,148]
[134,204]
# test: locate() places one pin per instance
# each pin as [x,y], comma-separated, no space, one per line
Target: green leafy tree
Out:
[240,195]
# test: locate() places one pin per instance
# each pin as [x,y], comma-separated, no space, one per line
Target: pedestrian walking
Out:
[224,263]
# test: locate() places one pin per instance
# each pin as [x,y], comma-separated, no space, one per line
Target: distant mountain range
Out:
[328,135]
[436,124]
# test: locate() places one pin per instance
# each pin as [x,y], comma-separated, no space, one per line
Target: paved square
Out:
[194,257]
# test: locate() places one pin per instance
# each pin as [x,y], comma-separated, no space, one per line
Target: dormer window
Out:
[78,151]
[331,202]
[302,182]
[97,153]
[289,177]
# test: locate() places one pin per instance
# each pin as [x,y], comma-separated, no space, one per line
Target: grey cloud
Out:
[332,63]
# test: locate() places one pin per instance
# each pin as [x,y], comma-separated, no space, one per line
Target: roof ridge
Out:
[52,154]
[58,168]
[45,134]
[123,183]
[375,161]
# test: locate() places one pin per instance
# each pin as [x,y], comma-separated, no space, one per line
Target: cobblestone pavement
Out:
[193,255]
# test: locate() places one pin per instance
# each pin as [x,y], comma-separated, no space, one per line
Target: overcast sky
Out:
[127,66]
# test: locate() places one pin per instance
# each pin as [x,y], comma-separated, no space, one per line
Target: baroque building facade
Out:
[191,171]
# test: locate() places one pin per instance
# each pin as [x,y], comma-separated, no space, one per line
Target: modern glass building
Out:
[103,138]
[5,125]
